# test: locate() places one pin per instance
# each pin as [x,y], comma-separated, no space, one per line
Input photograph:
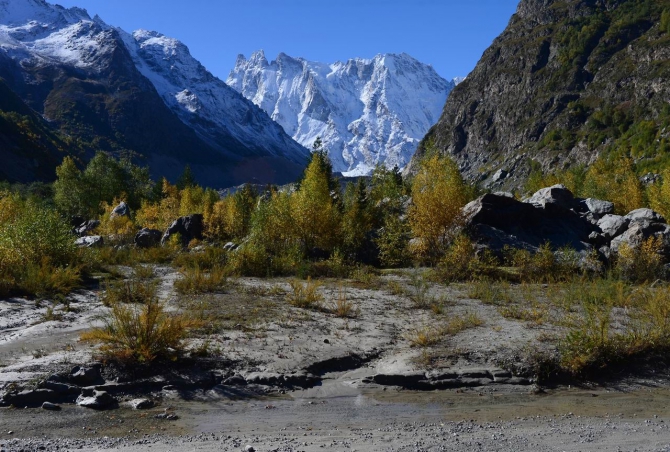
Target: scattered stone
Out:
[51,406]
[552,197]
[141,404]
[97,400]
[122,210]
[230,246]
[91,241]
[85,376]
[147,238]
[86,227]
[249,448]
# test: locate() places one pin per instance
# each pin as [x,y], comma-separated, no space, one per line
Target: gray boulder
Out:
[189,228]
[90,241]
[613,225]
[641,230]
[230,246]
[147,238]
[97,400]
[122,210]
[645,214]
[599,207]
[551,197]
[86,227]
[50,406]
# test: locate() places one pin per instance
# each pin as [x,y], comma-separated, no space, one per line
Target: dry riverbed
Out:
[415,366]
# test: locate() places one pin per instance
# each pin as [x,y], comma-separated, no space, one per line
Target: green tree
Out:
[186,179]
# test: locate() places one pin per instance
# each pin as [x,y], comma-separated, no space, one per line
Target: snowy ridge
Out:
[366,111]
[37,33]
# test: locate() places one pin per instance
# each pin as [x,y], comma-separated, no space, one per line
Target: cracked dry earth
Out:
[315,381]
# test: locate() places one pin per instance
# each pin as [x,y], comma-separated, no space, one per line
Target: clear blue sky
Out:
[450,35]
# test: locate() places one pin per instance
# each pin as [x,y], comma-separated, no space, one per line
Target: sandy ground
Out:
[255,332]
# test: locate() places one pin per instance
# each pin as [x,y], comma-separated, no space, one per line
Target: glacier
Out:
[367,112]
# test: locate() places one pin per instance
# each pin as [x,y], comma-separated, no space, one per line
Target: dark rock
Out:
[495,221]
[31,397]
[599,207]
[91,241]
[235,380]
[85,376]
[98,400]
[51,406]
[62,388]
[613,225]
[76,221]
[141,404]
[122,210]
[188,228]
[147,238]
[405,379]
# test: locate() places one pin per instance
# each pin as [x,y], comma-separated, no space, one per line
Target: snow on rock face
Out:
[40,33]
[367,112]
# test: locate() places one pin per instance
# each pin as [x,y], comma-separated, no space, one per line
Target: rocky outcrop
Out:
[90,241]
[189,227]
[556,88]
[553,215]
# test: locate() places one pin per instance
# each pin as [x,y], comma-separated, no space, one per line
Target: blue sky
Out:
[450,35]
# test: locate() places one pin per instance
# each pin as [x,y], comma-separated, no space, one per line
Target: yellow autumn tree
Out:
[614,179]
[659,194]
[438,194]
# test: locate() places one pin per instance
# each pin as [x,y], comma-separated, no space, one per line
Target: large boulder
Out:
[85,376]
[189,227]
[613,225]
[90,241]
[122,210]
[598,207]
[641,230]
[496,220]
[553,197]
[644,215]
[97,400]
[147,238]
[86,227]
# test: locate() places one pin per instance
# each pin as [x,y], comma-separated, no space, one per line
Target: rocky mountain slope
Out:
[141,93]
[366,111]
[566,81]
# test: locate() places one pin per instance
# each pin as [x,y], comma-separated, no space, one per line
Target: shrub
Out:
[461,262]
[143,334]
[304,295]
[128,291]
[197,281]
[641,264]
[342,307]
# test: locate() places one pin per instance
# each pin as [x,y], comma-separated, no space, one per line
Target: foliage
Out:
[198,281]
[438,194]
[304,295]
[230,217]
[462,262]
[143,333]
[641,264]
[614,179]
[104,178]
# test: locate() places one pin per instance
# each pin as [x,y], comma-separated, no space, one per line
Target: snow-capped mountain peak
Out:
[366,111]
